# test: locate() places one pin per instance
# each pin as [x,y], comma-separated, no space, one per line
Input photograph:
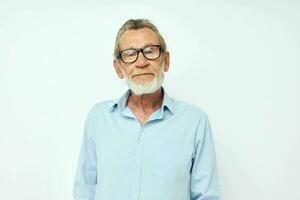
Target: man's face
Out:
[143,73]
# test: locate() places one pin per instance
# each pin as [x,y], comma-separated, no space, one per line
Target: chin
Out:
[147,80]
[144,83]
[146,87]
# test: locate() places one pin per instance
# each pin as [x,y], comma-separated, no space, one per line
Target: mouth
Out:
[143,74]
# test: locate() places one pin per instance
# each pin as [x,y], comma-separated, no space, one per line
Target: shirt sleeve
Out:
[86,174]
[204,178]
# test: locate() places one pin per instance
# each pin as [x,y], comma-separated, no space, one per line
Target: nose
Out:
[141,60]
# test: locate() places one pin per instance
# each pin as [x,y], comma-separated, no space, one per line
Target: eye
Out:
[129,53]
[149,50]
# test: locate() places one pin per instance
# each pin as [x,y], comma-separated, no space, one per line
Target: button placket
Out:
[139,161]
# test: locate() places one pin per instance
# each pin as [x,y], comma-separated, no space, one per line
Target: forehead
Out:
[138,38]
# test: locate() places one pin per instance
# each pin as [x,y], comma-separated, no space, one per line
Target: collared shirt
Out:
[170,157]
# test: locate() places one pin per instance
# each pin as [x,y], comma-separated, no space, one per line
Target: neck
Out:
[146,102]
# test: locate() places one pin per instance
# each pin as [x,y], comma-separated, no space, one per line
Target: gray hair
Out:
[135,24]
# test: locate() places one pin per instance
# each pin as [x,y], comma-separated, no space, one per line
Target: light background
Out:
[237,60]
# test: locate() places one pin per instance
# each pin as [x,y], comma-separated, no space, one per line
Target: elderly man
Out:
[145,145]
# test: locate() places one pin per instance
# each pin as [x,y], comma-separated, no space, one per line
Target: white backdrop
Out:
[237,60]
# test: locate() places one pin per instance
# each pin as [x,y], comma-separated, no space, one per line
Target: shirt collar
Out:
[122,101]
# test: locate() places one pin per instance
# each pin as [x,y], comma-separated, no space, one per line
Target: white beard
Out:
[146,88]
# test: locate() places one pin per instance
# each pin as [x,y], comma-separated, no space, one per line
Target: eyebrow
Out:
[148,44]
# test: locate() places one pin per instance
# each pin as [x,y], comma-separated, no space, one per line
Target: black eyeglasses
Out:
[131,55]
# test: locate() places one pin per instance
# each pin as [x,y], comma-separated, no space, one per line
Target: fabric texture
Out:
[170,157]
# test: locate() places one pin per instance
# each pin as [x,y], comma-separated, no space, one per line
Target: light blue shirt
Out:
[170,157]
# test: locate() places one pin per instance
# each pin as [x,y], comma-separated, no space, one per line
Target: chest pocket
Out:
[171,163]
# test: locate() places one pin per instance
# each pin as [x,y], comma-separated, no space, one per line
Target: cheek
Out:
[161,66]
[126,71]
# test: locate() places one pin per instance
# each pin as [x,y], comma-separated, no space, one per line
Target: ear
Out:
[167,61]
[117,67]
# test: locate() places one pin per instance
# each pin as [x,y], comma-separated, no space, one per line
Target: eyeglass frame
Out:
[138,52]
